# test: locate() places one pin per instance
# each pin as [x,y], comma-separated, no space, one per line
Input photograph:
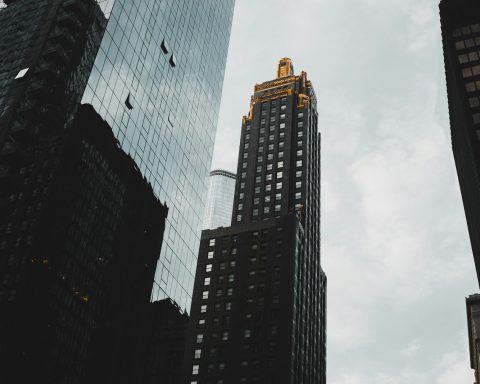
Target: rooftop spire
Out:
[285,68]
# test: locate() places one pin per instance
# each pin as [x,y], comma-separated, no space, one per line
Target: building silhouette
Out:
[221,190]
[81,234]
[460,21]
[259,301]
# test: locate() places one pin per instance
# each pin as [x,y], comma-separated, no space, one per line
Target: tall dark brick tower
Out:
[259,302]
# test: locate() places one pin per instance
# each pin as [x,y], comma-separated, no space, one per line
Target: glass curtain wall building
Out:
[157,81]
[221,190]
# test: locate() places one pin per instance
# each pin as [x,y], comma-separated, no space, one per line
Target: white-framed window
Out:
[195,369]
[197,354]
[231,278]
[200,338]
[210,255]
[280,164]
[206,281]
[201,322]
[208,268]
[298,184]
[205,295]
[279,175]
[203,308]
[212,242]
[299,163]
[298,195]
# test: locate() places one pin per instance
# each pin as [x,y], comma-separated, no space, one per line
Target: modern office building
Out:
[259,301]
[81,231]
[157,80]
[221,191]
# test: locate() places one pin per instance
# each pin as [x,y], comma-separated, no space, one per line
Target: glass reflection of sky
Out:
[171,129]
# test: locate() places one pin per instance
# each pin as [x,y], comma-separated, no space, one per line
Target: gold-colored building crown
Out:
[285,68]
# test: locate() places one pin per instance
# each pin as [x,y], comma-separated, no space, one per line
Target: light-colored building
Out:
[221,190]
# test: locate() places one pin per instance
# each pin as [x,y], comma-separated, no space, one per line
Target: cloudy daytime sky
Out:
[395,244]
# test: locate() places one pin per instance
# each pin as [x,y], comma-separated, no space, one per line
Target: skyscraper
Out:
[157,80]
[81,231]
[460,20]
[221,190]
[461,43]
[259,302]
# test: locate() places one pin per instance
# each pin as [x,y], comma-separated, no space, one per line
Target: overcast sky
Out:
[394,238]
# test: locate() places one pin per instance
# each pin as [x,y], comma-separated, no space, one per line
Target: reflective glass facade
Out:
[221,190]
[157,80]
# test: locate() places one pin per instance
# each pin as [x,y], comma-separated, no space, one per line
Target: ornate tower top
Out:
[285,68]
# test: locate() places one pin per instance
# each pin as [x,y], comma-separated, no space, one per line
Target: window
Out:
[195,369]
[245,146]
[474,102]
[270,156]
[257,190]
[245,155]
[229,291]
[219,292]
[272,118]
[173,61]
[269,167]
[283,107]
[282,116]
[212,242]
[240,206]
[298,195]
[300,134]
[234,250]
[201,322]
[281,135]
[210,255]
[278,196]
[269,177]
[299,143]
[248,127]
[282,125]
[200,338]
[205,295]
[228,306]
[300,115]
[255,212]
[281,144]
[266,209]
[233,263]
[459,45]
[241,196]
[274,330]
[247,333]
[262,121]
[217,307]
[225,336]
[268,187]
[242,185]
[239,217]
[300,124]
[208,268]
[203,308]
[267,199]
[206,281]
[223,266]
[164,46]
[261,139]
[260,159]
[231,278]
[21,73]
[298,173]
[476,118]
[280,164]
[271,137]
[298,184]
[278,186]
[299,163]
[278,207]
[279,175]
[280,155]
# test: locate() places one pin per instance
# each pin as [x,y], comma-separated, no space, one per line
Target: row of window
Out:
[471,71]
[466,30]
[221,279]
[223,252]
[467,43]
[469,57]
